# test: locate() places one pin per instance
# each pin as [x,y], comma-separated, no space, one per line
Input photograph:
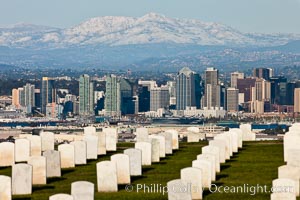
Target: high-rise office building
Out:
[234,77]
[159,98]
[278,90]
[29,95]
[144,99]
[290,93]
[262,90]
[112,103]
[86,95]
[265,73]
[48,93]
[244,86]
[232,99]
[212,88]
[15,98]
[188,89]
[127,92]
[297,100]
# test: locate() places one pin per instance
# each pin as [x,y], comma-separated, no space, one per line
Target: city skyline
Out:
[271,16]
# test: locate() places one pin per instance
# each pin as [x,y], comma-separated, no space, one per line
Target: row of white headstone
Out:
[287,186]
[33,145]
[204,169]
[39,168]
[194,134]
[148,149]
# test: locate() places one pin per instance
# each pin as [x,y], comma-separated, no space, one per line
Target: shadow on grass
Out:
[159,163]
[225,166]
[3,168]
[136,178]
[42,187]
[206,193]
[145,170]
[231,160]
[55,179]
[219,176]
[21,197]
[165,158]
[67,171]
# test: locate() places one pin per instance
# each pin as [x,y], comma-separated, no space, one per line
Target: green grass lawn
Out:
[256,163]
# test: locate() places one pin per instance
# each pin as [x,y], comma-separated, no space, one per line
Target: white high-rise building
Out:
[234,76]
[159,98]
[212,97]
[232,99]
[297,100]
[112,103]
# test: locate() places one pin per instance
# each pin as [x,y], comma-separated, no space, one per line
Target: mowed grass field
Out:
[256,163]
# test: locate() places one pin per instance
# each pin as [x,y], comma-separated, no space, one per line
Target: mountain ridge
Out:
[151,28]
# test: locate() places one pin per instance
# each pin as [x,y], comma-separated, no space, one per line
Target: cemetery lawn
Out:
[256,163]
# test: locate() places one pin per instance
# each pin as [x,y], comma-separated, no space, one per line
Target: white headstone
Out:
[135,160]
[230,139]
[235,141]
[5,188]
[82,190]
[281,185]
[47,141]
[193,176]
[146,148]
[283,196]
[168,142]
[101,144]
[293,157]
[61,197]
[89,130]
[123,167]
[7,154]
[111,137]
[193,137]
[67,155]
[175,142]
[107,176]
[240,136]
[205,167]
[155,150]
[38,163]
[22,150]
[290,172]
[226,142]
[21,179]
[35,145]
[80,152]
[53,163]
[290,141]
[91,146]
[162,144]
[248,135]
[212,159]
[213,150]
[179,190]
[142,134]
[222,146]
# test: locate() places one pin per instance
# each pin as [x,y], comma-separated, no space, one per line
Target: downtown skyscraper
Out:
[86,95]
[212,97]
[112,104]
[188,89]
[48,93]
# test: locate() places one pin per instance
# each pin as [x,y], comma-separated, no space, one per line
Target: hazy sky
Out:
[268,16]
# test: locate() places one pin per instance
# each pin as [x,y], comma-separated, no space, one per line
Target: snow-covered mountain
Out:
[149,29]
